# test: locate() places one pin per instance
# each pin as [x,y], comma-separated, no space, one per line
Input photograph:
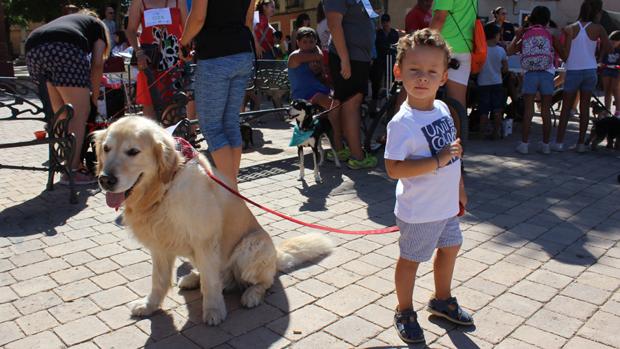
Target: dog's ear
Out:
[99,136]
[167,159]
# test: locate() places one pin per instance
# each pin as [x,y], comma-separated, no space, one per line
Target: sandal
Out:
[450,310]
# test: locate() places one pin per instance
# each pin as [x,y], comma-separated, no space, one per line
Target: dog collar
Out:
[300,136]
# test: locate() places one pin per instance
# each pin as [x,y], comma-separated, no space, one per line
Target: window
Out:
[294,4]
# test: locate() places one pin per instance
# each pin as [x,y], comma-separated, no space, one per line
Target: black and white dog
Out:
[309,132]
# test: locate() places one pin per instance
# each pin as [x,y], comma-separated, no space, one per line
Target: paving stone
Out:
[72,274]
[9,332]
[243,320]
[377,284]
[43,340]
[8,312]
[259,338]
[549,278]
[347,300]
[290,299]
[315,287]
[467,268]
[78,258]
[36,302]
[108,299]
[516,304]
[338,277]
[586,293]
[580,343]
[354,330]
[320,340]
[117,317]
[533,290]
[102,266]
[108,280]
[599,281]
[81,330]
[30,257]
[37,269]
[32,286]
[126,337]
[6,279]
[555,323]
[603,328]
[207,337]
[499,324]
[538,337]
[136,271]
[471,299]
[485,256]
[505,273]
[37,322]
[174,342]
[571,270]
[106,250]
[76,290]
[460,339]
[510,343]
[360,268]
[130,257]
[302,322]
[73,310]
[485,286]
[571,307]
[69,247]
[376,314]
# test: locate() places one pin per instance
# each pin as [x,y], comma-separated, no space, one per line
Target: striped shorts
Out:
[418,241]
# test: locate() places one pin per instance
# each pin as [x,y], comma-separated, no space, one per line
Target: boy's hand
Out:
[447,153]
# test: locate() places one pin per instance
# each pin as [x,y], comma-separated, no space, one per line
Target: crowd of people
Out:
[332,66]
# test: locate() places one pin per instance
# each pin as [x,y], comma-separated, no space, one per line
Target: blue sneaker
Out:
[450,310]
[407,326]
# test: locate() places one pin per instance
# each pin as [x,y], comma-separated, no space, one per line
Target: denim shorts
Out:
[219,88]
[580,80]
[538,81]
[418,241]
[491,98]
[613,73]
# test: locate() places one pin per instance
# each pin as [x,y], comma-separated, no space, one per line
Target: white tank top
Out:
[582,51]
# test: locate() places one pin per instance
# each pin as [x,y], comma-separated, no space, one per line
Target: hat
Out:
[385,17]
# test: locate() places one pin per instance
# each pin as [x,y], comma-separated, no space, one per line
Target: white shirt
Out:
[418,134]
[491,73]
[324,35]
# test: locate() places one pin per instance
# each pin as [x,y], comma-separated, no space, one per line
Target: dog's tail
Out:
[295,251]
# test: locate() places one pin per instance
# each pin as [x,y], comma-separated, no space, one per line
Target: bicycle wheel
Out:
[458,112]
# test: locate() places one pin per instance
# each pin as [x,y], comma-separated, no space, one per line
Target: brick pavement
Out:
[540,265]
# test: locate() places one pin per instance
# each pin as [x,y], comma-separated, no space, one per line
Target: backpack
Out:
[479,49]
[537,49]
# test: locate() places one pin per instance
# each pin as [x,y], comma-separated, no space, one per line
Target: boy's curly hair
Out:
[422,37]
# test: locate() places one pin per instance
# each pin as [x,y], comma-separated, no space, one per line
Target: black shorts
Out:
[357,83]
[60,63]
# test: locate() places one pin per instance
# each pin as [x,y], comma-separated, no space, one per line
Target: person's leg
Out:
[443,267]
[528,113]
[608,89]
[568,99]
[79,98]
[404,278]
[350,116]
[584,114]
[334,119]
[376,78]
[459,93]
[545,114]
[148,111]
[616,94]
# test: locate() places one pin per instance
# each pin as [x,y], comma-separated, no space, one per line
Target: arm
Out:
[398,169]
[297,58]
[462,193]
[606,46]
[195,21]
[183,9]
[504,66]
[561,50]
[515,44]
[96,69]
[134,14]
[439,18]
[249,22]
[334,22]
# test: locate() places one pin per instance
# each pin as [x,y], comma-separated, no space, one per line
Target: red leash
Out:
[294,220]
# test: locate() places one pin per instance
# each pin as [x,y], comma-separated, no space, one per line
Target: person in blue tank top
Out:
[305,70]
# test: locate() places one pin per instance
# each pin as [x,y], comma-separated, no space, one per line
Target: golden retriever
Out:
[175,209]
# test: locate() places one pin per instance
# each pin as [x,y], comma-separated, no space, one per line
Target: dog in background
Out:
[608,127]
[174,208]
[308,133]
[246,135]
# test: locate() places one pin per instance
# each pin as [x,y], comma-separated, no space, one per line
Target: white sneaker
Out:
[545,148]
[581,148]
[522,148]
[559,147]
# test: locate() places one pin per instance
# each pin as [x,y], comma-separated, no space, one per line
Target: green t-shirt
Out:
[463,14]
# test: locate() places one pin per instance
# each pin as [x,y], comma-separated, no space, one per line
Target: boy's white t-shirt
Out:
[418,134]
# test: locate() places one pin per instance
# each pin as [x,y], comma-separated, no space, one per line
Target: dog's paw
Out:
[252,297]
[142,307]
[213,316]
[318,179]
[189,281]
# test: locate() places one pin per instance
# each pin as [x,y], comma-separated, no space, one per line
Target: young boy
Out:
[305,70]
[491,97]
[611,80]
[422,151]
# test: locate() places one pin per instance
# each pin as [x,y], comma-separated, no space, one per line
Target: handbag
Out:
[152,52]
[479,51]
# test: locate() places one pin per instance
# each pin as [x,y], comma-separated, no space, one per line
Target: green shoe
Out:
[343,154]
[369,161]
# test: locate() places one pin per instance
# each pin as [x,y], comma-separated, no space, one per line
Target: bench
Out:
[61,143]
[271,79]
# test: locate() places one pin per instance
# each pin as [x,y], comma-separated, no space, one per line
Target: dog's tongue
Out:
[114,200]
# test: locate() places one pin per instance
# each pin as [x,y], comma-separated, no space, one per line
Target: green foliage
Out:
[21,12]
